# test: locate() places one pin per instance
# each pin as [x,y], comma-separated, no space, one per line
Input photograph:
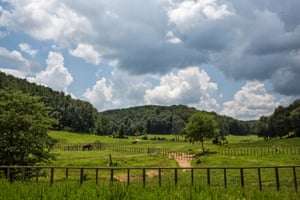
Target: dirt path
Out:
[184,161]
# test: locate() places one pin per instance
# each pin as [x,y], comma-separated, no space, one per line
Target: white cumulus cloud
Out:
[190,86]
[101,95]
[46,20]
[188,13]
[251,102]
[86,52]
[27,49]
[56,75]
[14,59]
[119,91]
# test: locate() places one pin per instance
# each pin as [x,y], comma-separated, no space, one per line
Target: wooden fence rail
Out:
[259,177]
[251,151]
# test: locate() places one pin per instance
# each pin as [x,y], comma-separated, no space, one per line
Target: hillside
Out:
[157,119]
[81,116]
[72,114]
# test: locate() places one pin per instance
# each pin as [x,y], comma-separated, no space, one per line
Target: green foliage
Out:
[201,126]
[24,123]
[71,114]
[81,116]
[152,119]
[283,122]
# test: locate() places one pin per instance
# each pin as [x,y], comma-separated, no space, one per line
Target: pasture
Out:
[122,154]
[245,168]
[91,191]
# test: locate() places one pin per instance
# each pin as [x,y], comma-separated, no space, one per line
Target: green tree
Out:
[295,119]
[261,127]
[24,123]
[201,126]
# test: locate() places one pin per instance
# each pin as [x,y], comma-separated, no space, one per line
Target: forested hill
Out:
[285,121]
[72,114]
[162,120]
[81,116]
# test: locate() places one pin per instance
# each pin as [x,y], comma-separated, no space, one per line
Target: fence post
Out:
[225,178]
[37,174]
[144,177]
[23,174]
[67,173]
[112,175]
[175,176]
[97,174]
[259,179]
[51,175]
[295,178]
[277,178]
[208,176]
[128,176]
[159,177]
[81,176]
[192,176]
[242,177]
[8,174]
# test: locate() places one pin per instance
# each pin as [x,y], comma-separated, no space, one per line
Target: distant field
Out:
[66,182]
[127,159]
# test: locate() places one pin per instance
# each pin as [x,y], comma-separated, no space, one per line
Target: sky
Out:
[237,58]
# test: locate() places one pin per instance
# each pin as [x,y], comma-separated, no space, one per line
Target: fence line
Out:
[283,175]
[251,151]
[259,151]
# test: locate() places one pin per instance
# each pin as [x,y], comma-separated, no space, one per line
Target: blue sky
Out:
[238,58]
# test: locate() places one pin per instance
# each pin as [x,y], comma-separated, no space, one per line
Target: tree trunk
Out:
[202,145]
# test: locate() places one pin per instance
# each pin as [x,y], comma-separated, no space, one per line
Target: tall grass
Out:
[68,190]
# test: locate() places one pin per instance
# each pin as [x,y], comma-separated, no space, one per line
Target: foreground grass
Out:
[88,191]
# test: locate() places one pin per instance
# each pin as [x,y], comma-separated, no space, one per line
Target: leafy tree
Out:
[24,123]
[279,124]
[201,126]
[295,119]
[261,127]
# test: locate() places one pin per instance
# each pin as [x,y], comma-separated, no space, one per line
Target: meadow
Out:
[91,191]
[96,158]
[162,185]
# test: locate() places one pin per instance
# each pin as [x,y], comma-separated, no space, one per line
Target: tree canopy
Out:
[24,123]
[284,121]
[80,116]
[71,114]
[201,126]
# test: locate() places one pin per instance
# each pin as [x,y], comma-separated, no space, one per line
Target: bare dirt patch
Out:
[183,160]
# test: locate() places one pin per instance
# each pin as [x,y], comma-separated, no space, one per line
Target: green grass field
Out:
[67,190]
[70,188]
[96,158]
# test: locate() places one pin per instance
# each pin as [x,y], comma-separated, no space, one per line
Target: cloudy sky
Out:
[237,57]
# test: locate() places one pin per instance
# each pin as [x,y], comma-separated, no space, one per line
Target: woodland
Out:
[80,116]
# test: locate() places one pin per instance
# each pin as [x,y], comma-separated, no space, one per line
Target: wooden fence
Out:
[251,151]
[259,151]
[259,177]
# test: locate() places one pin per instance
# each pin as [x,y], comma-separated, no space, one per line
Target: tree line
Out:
[155,119]
[71,114]
[284,122]
[80,116]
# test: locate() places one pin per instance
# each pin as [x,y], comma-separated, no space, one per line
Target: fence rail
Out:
[250,151]
[259,151]
[259,177]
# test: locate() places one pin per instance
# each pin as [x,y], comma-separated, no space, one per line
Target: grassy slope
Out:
[131,159]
